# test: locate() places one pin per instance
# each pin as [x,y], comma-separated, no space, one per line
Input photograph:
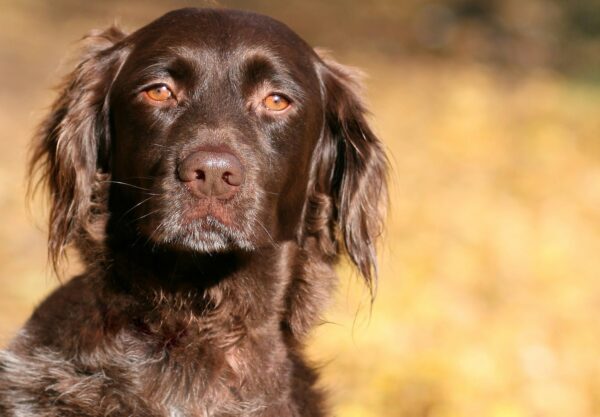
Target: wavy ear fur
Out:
[69,153]
[349,189]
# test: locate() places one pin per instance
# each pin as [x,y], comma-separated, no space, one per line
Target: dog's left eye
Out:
[276,102]
[160,92]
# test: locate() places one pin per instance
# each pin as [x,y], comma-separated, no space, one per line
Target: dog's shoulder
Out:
[68,318]
[56,366]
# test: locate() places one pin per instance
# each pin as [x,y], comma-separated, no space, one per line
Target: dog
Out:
[209,169]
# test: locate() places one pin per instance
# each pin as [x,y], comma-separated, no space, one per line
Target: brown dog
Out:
[210,169]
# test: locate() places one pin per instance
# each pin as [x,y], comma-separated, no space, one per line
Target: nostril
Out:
[232,178]
[208,173]
[229,178]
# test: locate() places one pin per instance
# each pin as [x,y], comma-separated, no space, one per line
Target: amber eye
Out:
[159,92]
[276,102]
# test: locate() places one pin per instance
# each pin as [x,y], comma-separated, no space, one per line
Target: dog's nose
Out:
[209,173]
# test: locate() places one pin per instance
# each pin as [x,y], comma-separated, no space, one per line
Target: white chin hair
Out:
[205,235]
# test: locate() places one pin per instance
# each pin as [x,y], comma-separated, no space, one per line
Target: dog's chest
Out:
[194,374]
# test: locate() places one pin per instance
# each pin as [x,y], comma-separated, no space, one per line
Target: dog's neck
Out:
[140,269]
[168,290]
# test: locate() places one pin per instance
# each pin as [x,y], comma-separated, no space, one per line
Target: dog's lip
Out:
[209,209]
[220,199]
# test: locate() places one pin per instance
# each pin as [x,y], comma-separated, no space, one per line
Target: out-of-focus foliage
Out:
[489,289]
[516,34]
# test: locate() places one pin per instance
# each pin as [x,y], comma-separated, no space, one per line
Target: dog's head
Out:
[211,130]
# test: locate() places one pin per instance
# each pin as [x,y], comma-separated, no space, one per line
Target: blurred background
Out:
[489,295]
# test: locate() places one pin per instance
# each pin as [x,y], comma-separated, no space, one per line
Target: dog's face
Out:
[215,117]
[211,130]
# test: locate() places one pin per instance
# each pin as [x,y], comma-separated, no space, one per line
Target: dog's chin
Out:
[206,235]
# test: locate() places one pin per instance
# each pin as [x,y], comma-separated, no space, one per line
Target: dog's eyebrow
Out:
[261,64]
[172,61]
[165,67]
[156,70]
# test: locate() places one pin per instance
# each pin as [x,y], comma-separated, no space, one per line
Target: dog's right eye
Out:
[159,92]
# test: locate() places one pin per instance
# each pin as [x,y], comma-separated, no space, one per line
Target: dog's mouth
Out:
[202,225]
[203,234]
[209,210]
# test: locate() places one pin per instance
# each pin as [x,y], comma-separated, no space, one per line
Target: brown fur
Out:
[188,306]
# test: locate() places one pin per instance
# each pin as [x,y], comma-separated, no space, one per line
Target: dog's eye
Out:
[159,92]
[276,102]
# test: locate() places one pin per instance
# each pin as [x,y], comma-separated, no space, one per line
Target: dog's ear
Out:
[70,151]
[349,177]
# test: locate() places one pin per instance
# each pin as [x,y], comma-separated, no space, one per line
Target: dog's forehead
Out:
[219,30]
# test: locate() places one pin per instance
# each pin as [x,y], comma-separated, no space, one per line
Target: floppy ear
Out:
[69,153]
[349,190]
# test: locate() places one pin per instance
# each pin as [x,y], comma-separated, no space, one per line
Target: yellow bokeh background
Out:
[489,269]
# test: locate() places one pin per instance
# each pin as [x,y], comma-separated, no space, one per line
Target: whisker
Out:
[275,244]
[151,236]
[134,207]
[127,184]
[145,215]
[140,178]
